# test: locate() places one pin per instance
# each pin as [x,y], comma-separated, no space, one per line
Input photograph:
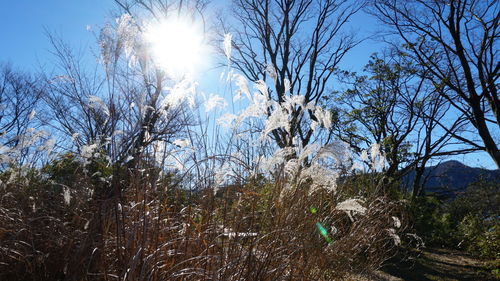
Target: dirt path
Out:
[437,265]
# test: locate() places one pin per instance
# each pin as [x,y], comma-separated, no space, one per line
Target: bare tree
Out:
[394,106]
[294,46]
[457,41]
[69,90]
[19,97]
[121,108]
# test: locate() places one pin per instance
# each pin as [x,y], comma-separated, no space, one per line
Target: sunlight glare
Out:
[177,46]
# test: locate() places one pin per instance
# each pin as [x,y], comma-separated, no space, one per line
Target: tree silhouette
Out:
[293,46]
[457,41]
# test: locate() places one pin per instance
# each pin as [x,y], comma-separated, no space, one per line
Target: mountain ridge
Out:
[451,177]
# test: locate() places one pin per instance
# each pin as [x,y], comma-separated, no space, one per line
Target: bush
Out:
[431,223]
[470,222]
[480,237]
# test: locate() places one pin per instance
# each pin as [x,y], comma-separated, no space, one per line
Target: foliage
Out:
[470,222]
[479,237]
[393,104]
[430,222]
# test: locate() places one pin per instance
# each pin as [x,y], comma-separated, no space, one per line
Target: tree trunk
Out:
[482,128]
[417,185]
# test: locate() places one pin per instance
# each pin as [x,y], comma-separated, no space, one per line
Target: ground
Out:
[436,265]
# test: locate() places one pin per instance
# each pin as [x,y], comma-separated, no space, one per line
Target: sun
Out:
[177,46]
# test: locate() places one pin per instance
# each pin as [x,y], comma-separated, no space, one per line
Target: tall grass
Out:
[156,230]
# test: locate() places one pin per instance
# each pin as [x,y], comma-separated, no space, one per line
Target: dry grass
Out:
[155,231]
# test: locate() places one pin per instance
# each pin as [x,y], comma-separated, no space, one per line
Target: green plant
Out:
[470,222]
[431,223]
[480,237]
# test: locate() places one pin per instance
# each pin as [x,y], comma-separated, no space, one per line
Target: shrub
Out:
[431,223]
[480,237]
[470,222]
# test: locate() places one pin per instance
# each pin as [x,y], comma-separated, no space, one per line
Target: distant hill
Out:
[452,177]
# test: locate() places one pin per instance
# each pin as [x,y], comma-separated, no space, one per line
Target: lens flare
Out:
[322,230]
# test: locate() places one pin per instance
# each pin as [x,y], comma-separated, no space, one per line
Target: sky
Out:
[24,24]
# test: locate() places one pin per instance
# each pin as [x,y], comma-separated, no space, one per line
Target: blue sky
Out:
[23,24]
[25,45]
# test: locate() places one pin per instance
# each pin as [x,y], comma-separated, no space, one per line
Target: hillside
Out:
[452,177]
